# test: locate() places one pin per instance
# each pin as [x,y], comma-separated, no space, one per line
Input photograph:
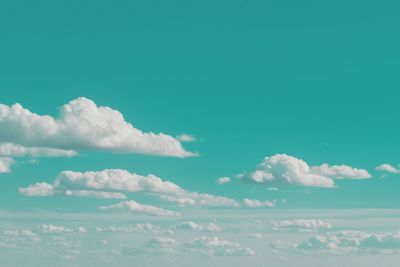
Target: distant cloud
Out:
[192,226]
[37,190]
[71,183]
[186,138]
[215,246]
[13,150]
[347,241]
[301,225]
[387,168]
[223,180]
[83,125]
[253,203]
[133,206]
[5,164]
[285,169]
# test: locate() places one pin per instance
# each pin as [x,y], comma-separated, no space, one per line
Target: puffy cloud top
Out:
[285,169]
[83,125]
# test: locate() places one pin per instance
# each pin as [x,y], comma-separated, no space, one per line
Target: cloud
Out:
[115,180]
[5,164]
[214,246]
[13,150]
[387,168]
[133,206]
[37,190]
[134,228]
[253,203]
[223,180]
[300,225]
[285,169]
[192,226]
[83,125]
[95,194]
[186,138]
[347,241]
[199,199]
[53,229]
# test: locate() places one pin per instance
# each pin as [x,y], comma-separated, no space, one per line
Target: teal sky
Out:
[248,79]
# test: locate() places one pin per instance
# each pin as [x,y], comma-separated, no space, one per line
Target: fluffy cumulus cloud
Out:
[82,184]
[82,125]
[285,169]
[223,180]
[347,241]
[135,207]
[215,246]
[5,164]
[254,203]
[387,168]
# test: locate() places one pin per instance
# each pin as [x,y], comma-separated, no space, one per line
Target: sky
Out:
[261,130]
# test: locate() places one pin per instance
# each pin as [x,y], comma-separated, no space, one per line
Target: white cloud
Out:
[13,150]
[340,172]
[214,246]
[199,199]
[95,194]
[37,190]
[192,226]
[254,203]
[301,225]
[285,169]
[124,181]
[387,168]
[53,229]
[186,138]
[223,180]
[133,228]
[5,164]
[133,206]
[347,241]
[83,125]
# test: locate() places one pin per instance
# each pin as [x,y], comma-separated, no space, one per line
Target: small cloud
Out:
[186,138]
[253,203]
[135,207]
[387,168]
[223,180]
[215,246]
[5,164]
[285,169]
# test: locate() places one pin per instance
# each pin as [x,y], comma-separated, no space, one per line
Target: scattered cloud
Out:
[223,180]
[95,194]
[214,246]
[186,138]
[37,190]
[387,168]
[192,226]
[347,241]
[135,207]
[13,150]
[285,169]
[83,125]
[5,164]
[253,203]
[71,183]
[301,225]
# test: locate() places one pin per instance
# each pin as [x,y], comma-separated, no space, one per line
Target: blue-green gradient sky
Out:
[316,80]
